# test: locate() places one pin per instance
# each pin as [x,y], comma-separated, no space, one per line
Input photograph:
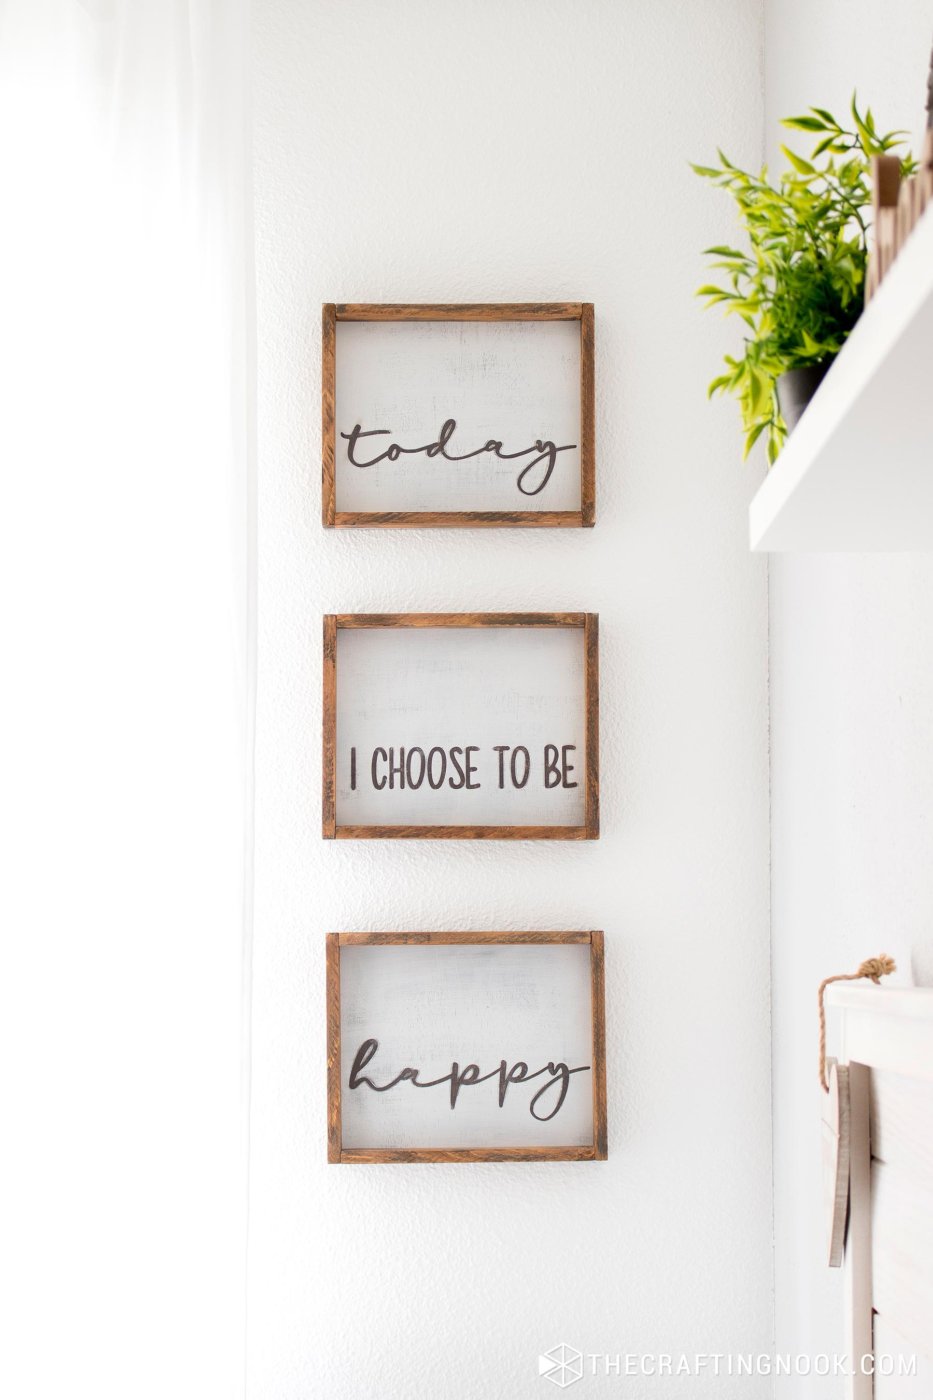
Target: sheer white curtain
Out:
[126,603]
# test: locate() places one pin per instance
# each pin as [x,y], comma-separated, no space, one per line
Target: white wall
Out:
[444,151]
[851,701]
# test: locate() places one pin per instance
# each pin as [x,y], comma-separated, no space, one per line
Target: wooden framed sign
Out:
[462,415]
[465,1047]
[463,725]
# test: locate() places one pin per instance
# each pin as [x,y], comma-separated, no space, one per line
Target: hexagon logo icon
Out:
[562,1365]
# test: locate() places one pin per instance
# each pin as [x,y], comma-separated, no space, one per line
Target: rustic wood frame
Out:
[597,1151]
[581,311]
[589,622]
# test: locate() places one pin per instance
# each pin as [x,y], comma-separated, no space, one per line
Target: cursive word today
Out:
[531,480]
[457,1079]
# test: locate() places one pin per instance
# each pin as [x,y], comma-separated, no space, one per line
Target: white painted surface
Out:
[902,1253]
[887,1036]
[851,698]
[890,1028]
[460,688]
[532,149]
[902,1123]
[511,382]
[430,1007]
[855,474]
[903,1373]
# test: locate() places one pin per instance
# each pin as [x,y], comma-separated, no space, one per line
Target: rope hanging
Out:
[872,968]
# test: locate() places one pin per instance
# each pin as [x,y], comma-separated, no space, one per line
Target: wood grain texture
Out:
[902,1124]
[588,414]
[902,1253]
[328,422]
[857,1260]
[598,1005]
[463,937]
[329,754]
[589,831]
[835,1140]
[591,645]
[889,1343]
[458,519]
[374,1155]
[461,311]
[333,1048]
[463,833]
[535,619]
[583,312]
[595,1151]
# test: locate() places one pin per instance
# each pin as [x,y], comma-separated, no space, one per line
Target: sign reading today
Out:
[458,414]
[461,725]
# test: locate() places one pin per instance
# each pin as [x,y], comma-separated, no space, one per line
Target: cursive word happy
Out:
[545,452]
[459,1078]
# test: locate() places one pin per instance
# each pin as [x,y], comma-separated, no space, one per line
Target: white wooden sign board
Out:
[432,1007]
[514,382]
[458,416]
[480,1047]
[462,729]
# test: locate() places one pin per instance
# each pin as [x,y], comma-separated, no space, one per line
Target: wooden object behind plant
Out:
[897,205]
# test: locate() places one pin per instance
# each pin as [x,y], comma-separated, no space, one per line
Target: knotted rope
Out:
[872,968]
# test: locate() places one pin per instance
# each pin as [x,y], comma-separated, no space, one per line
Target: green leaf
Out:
[804,123]
[865,134]
[752,437]
[759,392]
[803,167]
[722,251]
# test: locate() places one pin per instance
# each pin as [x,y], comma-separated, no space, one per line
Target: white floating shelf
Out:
[886,1027]
[857,472]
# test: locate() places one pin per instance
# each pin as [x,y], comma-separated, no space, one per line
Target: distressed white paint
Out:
[512,382]
[904,1373]
[535,149]
[902,1124]
[430,1007]
[902,1253]
[887,1027]
[453,688]
[851,699]
[887,1036]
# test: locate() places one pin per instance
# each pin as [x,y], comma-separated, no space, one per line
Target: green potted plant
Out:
[799,288]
